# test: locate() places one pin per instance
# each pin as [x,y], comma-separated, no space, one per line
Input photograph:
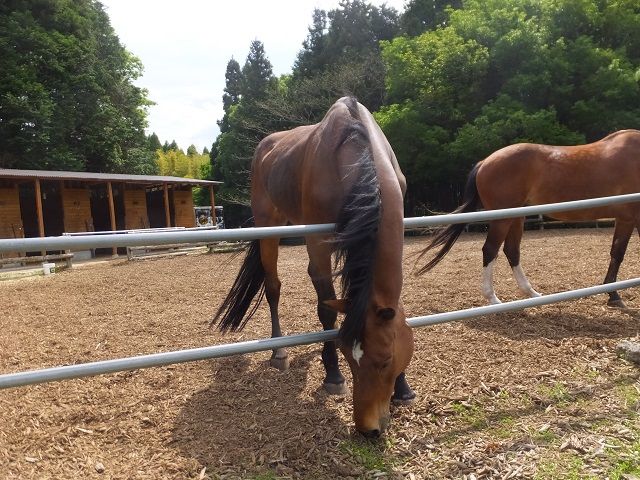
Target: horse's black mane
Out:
[356,235]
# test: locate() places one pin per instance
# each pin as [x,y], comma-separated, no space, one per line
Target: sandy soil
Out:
[535,394]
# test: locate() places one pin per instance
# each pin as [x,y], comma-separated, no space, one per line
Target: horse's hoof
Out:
[335,388]
[407,399]
[616,304]
[281,364]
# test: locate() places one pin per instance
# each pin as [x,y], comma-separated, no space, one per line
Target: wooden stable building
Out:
[36,203]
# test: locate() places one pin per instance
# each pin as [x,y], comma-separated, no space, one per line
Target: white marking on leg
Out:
[523,283]
[487,284]
[357,352]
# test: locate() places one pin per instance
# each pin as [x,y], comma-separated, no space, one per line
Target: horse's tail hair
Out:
[232,313]
[447,236]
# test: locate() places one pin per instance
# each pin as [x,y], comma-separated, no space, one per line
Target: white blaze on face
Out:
[357,352]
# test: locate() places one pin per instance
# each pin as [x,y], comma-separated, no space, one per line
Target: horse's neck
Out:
[388,268]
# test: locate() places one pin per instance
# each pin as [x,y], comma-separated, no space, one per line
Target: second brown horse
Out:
[341,170]
[533,174]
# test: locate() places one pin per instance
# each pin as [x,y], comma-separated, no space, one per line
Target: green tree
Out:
[247,120]
[341,56]
[154,142]
[311,59]
[232,91]
[420,16]
[498,72]
[175,163]
[257,73]
[192,150]
[67,98]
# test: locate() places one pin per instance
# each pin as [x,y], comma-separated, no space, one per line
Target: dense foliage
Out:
[449,81]
[506,71]
[462,78]
[67,99]
[340,56]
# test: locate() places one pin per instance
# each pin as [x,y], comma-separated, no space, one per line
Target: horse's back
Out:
[533,174]
[305,173]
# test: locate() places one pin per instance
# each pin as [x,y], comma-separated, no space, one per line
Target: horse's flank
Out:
[532,174]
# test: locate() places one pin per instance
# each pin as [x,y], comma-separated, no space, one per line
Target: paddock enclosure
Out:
[533,394]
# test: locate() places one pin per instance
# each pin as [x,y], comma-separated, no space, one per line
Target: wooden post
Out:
[62,204]
[212,198]
[39,211]
[64,225]
[112,214]
[167,211]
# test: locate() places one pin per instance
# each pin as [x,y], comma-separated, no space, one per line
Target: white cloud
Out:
[185,46]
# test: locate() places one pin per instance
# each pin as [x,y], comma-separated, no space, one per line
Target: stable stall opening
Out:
[100,211]
[51,210]
[156,210]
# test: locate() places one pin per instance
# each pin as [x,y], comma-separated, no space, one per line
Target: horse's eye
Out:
[385,364]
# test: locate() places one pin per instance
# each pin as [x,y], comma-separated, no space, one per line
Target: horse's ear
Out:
[385,313]
[339,306]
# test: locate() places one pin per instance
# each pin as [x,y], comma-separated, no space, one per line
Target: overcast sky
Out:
[185,46]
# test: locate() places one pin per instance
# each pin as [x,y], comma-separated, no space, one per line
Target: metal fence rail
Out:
[160,238]
[160,359]
[81,242]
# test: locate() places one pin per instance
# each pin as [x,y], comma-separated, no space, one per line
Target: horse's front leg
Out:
[402,392]
[320,273]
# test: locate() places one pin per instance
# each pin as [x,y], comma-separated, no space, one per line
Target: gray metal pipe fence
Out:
[254,233]
[181,356]
[166,358]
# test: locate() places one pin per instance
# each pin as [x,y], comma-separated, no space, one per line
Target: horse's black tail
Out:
[447,236]
[249,283]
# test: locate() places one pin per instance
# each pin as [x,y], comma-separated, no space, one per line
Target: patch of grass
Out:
[473,415]
[568,467]
[593,374]
[368,454]
[546,437]
[504,428]
[629,395]
[625,461]
[556,393]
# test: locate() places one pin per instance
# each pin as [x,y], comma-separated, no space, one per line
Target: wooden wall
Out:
[183,208]
[10,217]
[76,205]
[135,209]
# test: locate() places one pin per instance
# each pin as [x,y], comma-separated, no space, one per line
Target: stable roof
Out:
[101,177]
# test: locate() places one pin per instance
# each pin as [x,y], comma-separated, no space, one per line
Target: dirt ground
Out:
[535,394]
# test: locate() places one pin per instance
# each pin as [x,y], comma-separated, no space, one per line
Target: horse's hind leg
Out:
[320,273]
[621,237]
[269,256]
[512,252]
[498,230]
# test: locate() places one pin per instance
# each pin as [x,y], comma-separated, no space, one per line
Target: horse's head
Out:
[375,362]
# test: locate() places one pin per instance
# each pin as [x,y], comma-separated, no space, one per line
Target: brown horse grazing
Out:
[531,174]
[340,170]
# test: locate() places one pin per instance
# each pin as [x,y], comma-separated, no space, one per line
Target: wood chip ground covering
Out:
[535,394]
